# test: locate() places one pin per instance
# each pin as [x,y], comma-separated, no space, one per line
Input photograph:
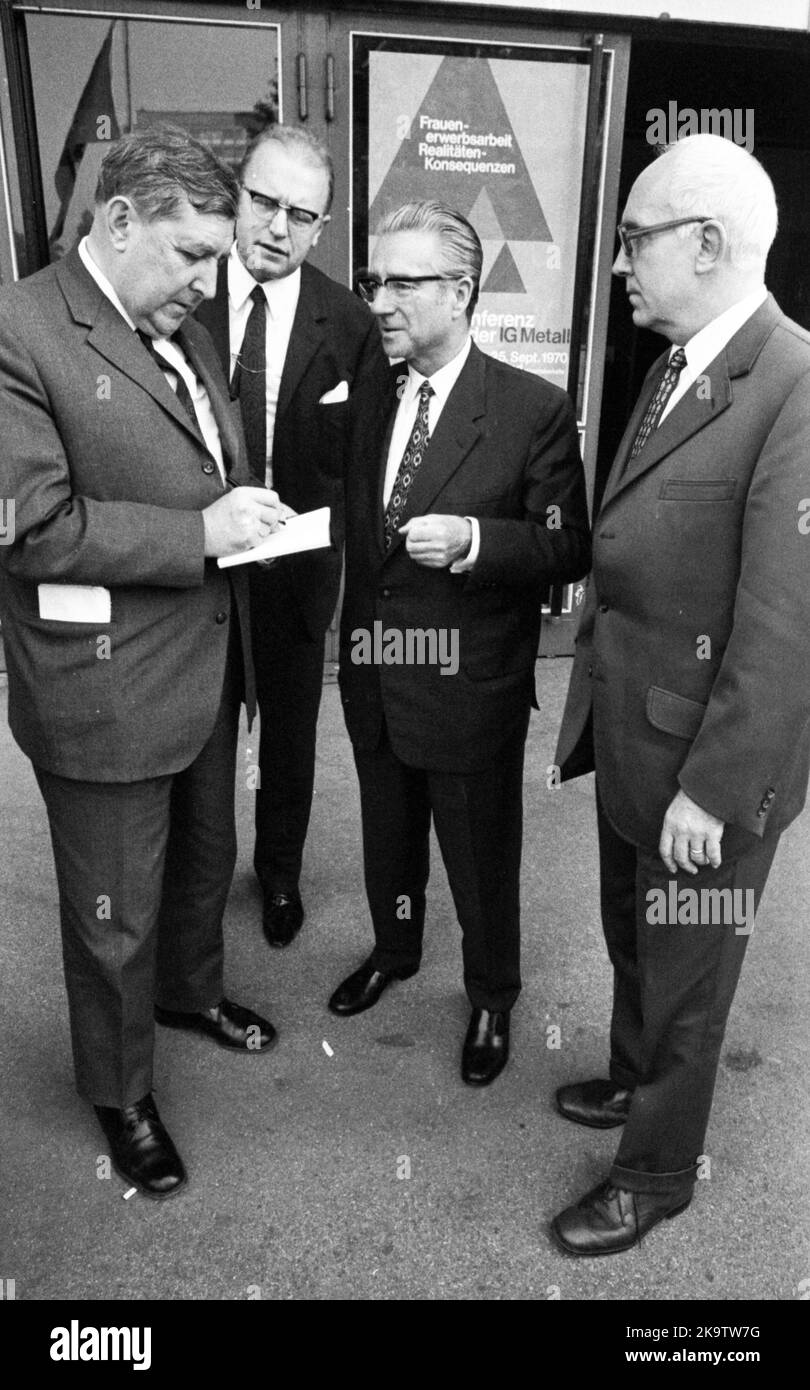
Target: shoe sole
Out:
[364,1008]
[212,1037]
[617,1249]
[590,1124]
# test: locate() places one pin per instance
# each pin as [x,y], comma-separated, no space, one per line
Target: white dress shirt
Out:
[705,345]
[177,364]
[281,297]
[442,382]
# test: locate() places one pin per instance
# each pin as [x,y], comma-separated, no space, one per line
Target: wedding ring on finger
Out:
[698,855]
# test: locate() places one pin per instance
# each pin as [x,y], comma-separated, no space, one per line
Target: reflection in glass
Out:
[94,79]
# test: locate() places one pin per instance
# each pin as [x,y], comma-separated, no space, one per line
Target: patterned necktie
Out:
[249,384]
[182,392]
[411,459]
[655,409]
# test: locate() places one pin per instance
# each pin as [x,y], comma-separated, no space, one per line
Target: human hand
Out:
[437,541]
[242,519]
[690,837]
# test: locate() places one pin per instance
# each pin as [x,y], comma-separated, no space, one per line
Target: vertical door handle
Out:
[303,99]
[330,87]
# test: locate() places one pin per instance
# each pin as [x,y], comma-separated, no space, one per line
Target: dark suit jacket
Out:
[505,450]
[109,479]
[699,538]
[334,338]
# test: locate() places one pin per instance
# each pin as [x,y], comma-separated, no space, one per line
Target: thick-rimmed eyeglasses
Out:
[267,208]
[398,286]
[627,235]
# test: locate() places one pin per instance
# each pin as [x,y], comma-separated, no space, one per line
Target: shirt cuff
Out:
[461,566]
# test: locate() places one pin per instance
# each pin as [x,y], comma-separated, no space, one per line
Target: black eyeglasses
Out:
[266,207]
[399,286]
[627,235]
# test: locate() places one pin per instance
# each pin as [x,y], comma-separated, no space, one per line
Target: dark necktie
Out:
[249,384]
[182,392]
[411,459]
[655,409]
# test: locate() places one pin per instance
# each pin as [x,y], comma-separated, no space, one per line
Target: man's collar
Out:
[704,345]
[102,281]
[446,377]
[280,294]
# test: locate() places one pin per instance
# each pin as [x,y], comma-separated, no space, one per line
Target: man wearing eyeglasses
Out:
[690,693]
[293,343]
[465,502]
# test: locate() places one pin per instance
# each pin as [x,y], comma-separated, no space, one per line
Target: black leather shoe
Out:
[600,1104]
[282,916]
[486,1047]
[229,1024]
[142,1152]
[362,989]
[610,1219]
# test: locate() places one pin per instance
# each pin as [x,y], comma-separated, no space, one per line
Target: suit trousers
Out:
[478,819]
[674,983]
[289,681]
[143,870]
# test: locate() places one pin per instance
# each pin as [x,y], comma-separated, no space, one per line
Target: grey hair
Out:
[712,177]
[462,252]
[294,137]
[158,168]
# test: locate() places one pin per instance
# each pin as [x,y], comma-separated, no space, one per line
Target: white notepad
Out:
[309,531]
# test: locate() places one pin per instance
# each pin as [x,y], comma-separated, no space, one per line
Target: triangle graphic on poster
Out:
[504,277]
[484,218]
[421,168]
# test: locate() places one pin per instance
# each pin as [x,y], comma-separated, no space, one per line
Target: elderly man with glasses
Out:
[465,502]
[690,694]
[293,343]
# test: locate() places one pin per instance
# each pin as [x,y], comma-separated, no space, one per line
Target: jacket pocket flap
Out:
[697,489]
[674,714]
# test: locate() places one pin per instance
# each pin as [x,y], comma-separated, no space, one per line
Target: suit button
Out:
[590,670]
[208,468]
[385,593]
[604,608]
[221,618]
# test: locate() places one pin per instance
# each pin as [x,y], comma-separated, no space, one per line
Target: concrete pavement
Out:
[373,1172]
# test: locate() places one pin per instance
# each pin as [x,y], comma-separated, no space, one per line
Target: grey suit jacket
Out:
[693,654]
[108,478]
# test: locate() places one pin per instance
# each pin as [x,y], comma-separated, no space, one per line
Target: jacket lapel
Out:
[214,315]
[115,340]
[455,434]
[308,332]
[697,408]
[229,438]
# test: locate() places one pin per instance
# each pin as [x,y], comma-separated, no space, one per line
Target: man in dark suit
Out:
[124,640]
[465,501]
[293,343]
[690,692]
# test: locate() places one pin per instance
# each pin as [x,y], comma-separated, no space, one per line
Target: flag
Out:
[96,100]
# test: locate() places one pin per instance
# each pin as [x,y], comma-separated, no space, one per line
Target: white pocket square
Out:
[336,395]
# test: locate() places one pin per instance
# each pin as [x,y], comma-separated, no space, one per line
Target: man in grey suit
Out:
[690,693]
[128,648]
